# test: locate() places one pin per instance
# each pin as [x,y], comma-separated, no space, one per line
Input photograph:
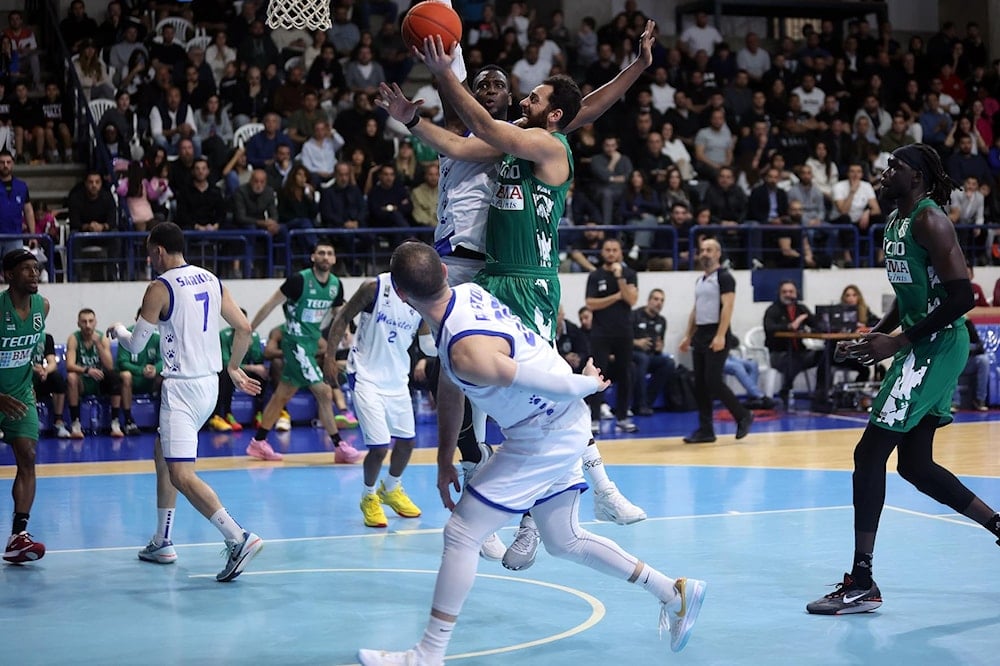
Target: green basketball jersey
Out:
[135,363]
[522,237]
[303,317]
[18,340]
[255,353]
[88,358]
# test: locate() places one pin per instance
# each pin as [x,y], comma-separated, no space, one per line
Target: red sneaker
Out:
[21,548]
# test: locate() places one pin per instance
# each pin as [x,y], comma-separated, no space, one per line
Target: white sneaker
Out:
[681,621]
[61,431]
[284,422]
[493,549]
[160,553]
[75,430]
[469,469]
[612,506]
[116,429]
[606,414]
[386,658]
[238,556]
[521,553]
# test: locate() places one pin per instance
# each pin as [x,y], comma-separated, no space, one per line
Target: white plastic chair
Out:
[158,39]
[294,61]
[199,41]
[753,348]
[99,106]
[183,28]
[243,134]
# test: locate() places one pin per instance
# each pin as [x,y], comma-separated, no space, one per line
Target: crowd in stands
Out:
[788,133]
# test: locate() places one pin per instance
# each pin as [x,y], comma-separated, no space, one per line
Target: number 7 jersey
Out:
[189,332]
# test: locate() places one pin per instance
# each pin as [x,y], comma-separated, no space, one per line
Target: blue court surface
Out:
[767,540]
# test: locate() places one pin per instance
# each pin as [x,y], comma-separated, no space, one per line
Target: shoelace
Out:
[522,539]
[664,624]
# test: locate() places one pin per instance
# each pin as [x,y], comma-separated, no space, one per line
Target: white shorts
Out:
[185,405]
[460,269]
[526,472]
[382,416]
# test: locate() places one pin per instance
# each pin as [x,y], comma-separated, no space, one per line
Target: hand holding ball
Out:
[430,19]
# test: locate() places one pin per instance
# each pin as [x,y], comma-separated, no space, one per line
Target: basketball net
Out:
[308,14]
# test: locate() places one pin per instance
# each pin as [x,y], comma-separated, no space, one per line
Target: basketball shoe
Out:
[681,620]
[159,552]
[219,424]
[238,556]
[346,420]
[386,658]
[233,423]
[371,510]
[398,501]
[521,553]
[346,454]
[22,548]
[260,449]
[847,598]
[611,505]
[284,422]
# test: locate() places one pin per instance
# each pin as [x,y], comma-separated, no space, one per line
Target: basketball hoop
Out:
[309,14]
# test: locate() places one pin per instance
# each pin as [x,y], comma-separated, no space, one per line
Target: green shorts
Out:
[534,300]
[142,384]
[26,427]
[921,380]
[301,368]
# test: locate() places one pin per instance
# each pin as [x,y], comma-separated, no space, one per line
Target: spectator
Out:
[963,163]
[58,119]
[218,54]
[788,355]
[279,168]
[681,222]
[811,97]
[135,189]
[662,92]
[812,207]
[90,371]
[110,30]
[529,72]
[585,249]
[173,121]
[77,27]
[297,207]
[978,369]
[255,205]
[855,204]
[48,382]
[824,170]
[654,162]
[425,197]
[934,121]
[215,132]
[979,297]
[699,37]
[302,121]
[261,147]
[640,208]
[727,202]
[200,205]
[319,153]
[343,206]
[25,45]
[257,50]
[27,118]
[967,208]
[194,91]
[897,136]
[612,291]
[392,53]
[753,59]
[180,169]
[648,330]
[713,146]
[93,73]
[363,74]
[389,204]
[851,297]
[747,373]
[610,169]
[251,100]
[325,75]
[343,34]
[572,342]
[683,119]
[91,207]
[352,122]
[122,51]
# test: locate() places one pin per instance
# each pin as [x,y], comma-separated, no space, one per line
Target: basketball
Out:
[428,19]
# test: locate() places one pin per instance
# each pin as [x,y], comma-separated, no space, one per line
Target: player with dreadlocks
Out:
[926,268]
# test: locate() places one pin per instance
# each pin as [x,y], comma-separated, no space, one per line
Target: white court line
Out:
[438,530]
[945,518]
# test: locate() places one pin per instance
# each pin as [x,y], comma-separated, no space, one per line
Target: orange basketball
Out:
[428,19]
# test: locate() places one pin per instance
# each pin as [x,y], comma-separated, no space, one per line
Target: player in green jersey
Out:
[926,269]
[307,297]
[23,311]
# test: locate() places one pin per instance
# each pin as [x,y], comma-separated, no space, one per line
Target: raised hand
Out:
[646,41]
[396,104]
[434,55]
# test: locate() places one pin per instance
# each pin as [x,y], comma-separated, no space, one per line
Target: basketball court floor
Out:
[766,521]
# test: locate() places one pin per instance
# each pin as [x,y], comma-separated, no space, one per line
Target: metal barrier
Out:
[121,255]
[744,243]
[965,237]
[664,244]
[358,249]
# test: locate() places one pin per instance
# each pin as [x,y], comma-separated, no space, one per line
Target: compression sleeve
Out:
[552,386]
[135,341]
[958,301]
[426,342]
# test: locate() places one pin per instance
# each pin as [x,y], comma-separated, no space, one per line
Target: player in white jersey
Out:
[460,240]
[185,302]
[522,382]
[378,367]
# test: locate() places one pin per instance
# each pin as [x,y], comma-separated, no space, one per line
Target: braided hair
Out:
[927,163]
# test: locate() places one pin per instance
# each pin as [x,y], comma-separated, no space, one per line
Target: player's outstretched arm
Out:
[446,142]
[597,102]
[277,298]
[450,410]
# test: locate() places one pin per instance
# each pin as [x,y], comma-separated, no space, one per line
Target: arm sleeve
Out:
[292,287]
[555,387]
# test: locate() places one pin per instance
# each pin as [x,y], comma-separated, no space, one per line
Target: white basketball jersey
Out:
[474,311]
[464,194]
[380,353]
[189,334]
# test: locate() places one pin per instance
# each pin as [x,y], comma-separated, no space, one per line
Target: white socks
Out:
[230,529]
[164,523]
[593,467]
[659,585]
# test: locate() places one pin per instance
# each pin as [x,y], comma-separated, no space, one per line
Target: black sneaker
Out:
[847,599]
[698,437]
[743,425]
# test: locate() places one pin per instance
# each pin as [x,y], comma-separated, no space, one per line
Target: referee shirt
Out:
[708,296]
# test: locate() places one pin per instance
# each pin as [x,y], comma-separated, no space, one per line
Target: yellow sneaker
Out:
[284,423]
[371,509]
[398,501]
[219,424]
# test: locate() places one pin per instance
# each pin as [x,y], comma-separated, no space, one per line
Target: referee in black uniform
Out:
[707,330]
